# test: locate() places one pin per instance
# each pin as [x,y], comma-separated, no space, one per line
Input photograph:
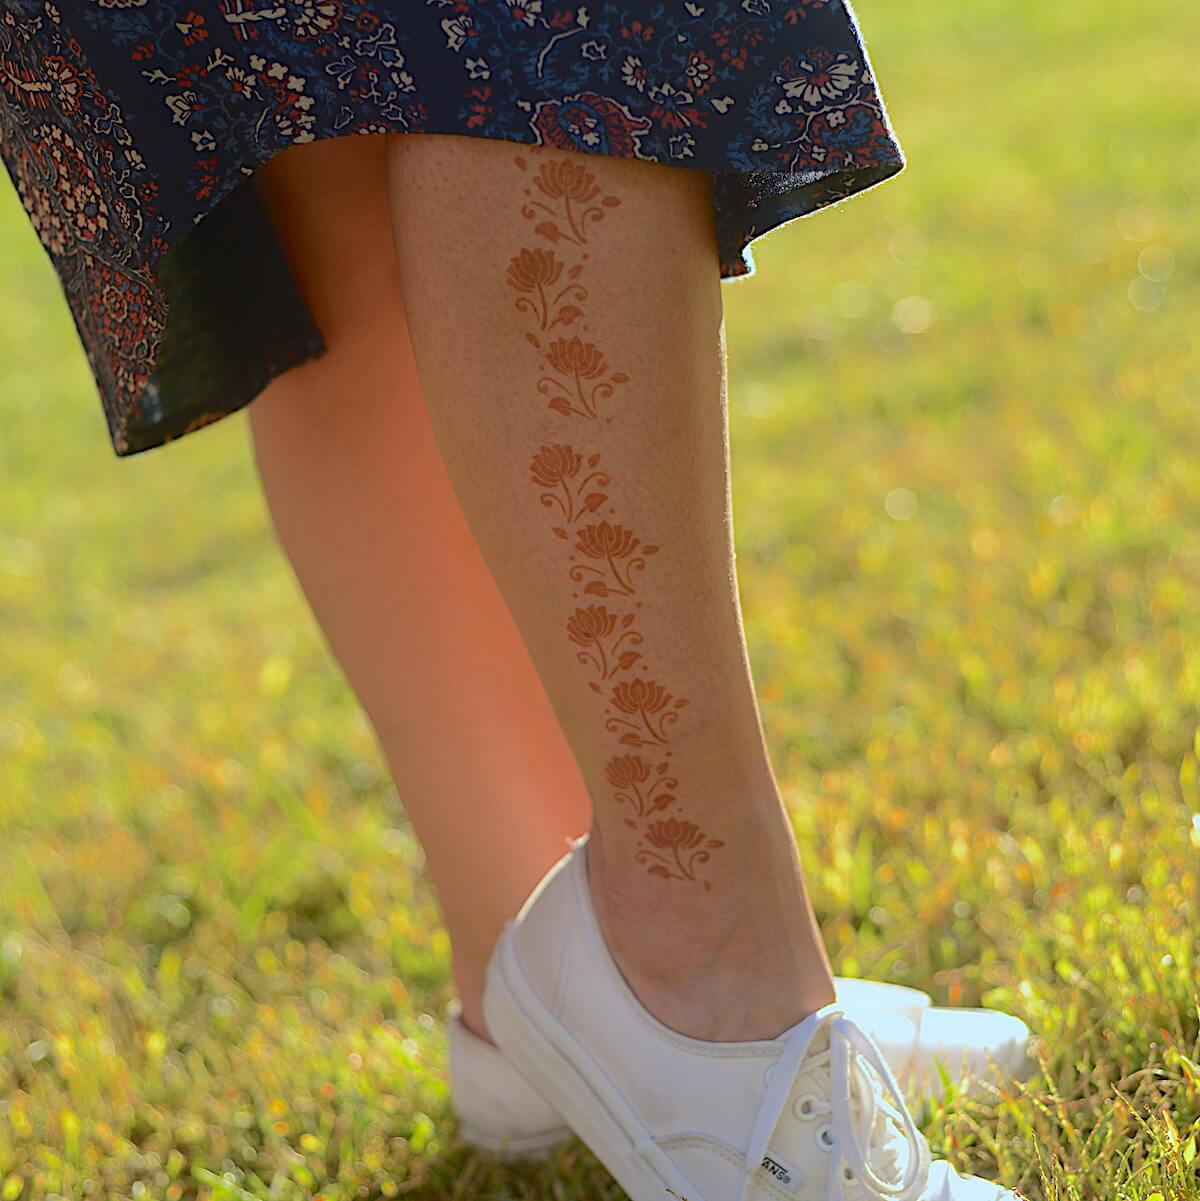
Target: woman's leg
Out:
[565,313]
[364,510]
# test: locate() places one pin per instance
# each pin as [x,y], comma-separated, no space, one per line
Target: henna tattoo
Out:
[568,184]
[642,699]
[558,465]
[535,271]
[579,360]
[590,628]
[680,846]
[609,543]
[566,202]
[628,775]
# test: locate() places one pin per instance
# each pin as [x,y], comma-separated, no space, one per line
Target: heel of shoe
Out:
[536,1043]
[513,1150]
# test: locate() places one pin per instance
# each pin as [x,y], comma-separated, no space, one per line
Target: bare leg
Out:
[565,313]
[365,512]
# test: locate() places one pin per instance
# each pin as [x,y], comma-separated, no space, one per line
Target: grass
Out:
[965,438]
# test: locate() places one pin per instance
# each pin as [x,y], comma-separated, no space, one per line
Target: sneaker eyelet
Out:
[847,1172]
[804,1106]
[824,1138]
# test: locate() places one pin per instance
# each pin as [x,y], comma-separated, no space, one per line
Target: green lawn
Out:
[966,443]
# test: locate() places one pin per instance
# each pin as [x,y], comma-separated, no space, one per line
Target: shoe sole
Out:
[514,1150]
[545,1053]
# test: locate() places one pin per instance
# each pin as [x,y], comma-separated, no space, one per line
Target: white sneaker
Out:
[973,1047]
[813,1115]
[501,1115]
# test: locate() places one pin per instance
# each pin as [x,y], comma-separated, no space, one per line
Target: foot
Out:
[813,1114]
[501,1114]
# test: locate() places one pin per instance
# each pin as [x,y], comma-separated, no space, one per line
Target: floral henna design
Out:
[536,271]
[642,699]
[590,628]
[608,542]
[628,774]
[579,361]
[576,376]
[573,188]
[555,466]
[679,847]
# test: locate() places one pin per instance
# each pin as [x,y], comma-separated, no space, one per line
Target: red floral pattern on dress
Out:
[126,122]
[88,197]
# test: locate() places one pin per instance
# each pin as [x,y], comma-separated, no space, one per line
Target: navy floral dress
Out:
[132,130]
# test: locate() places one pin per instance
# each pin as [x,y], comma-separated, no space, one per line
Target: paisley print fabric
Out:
[132,130]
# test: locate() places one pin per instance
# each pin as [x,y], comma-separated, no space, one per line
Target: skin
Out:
[366,515]
[566,320]
[640,710]
[422,532]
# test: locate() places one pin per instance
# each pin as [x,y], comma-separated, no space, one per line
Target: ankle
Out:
[468,983]
[474,1023]
[732,1004]
[730,969]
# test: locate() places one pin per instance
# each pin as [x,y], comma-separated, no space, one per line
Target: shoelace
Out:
[845,1036]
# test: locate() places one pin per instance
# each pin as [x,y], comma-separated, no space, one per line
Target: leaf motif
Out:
[649,550]
[631,823]
[630,740]
[619,377]
[627,660]
[561,404]
[594,687]
[593,460]
[659,870]
[568,314]
[561,532]
[533,341]
[713,843]
[575,271]
[610,202]
[594,501]
[548,229]
[680,705]
[596,588]
[663,801]
[662,767]
[627,620]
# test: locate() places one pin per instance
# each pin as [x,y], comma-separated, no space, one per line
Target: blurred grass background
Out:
[965,439]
